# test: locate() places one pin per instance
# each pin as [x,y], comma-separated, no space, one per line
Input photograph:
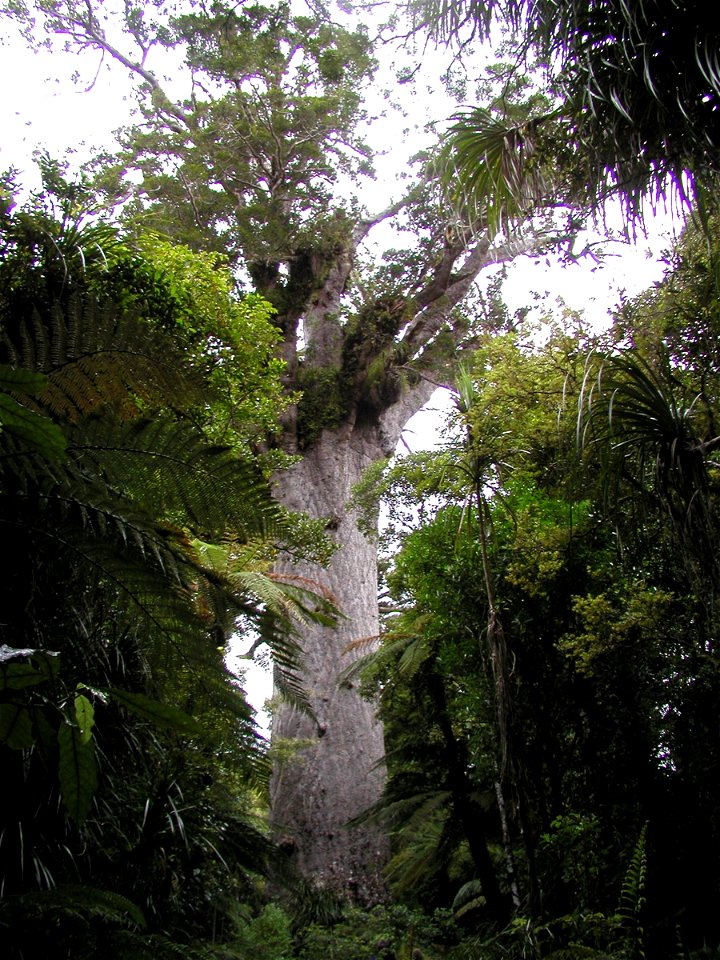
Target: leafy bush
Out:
[265,937]
[383,933]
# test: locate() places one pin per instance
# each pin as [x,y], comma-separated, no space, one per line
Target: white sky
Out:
[43,108]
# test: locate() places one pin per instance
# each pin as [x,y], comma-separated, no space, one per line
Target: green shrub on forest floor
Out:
[580,934]
[383,933]
[265,937]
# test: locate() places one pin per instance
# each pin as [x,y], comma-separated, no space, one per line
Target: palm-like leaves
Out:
[276,606]
[639,83]
[652,436]
[109,492]
[492,169]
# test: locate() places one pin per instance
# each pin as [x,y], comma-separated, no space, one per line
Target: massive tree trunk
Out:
[252,152]
[371,370]
[335,772]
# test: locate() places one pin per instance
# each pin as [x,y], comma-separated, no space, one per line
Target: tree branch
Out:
[85,30]
[436,300]
[324,340]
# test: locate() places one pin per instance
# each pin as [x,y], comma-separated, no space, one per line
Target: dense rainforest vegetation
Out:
[202,385]
[547,676]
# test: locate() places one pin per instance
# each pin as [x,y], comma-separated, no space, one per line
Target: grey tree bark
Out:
[337,770]
[252,158]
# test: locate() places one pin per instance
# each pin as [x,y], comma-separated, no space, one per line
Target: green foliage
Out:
[573,842]
[632,897]
[309,902]
[607,623]
[91,914]
[639,110]
[30,429]
[252,157]
[77,773]
[265,937]
[232,341]
[384,932]
[643,419]
[632,616]
[323,403]
[548,676]
[127,747]
[500,161]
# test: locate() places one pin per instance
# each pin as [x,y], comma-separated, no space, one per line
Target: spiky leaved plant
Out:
[128,750]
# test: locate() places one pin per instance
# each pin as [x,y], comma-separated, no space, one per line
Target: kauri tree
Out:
[257,160]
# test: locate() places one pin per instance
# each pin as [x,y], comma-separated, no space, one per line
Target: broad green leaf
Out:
[48,662]
[15,726]
[85,716]
[16,676]
[77,771]
[45,734]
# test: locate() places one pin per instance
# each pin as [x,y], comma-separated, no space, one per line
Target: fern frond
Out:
[31,432]
[93,353]
[170,467]
[83,901]
[632,895]
[415,860]
[469,896]
[408,813]
[289,686]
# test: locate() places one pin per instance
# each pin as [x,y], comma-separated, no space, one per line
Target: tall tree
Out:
[254,161]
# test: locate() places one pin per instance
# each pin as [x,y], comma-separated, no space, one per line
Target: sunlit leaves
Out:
[77,767]
[609,624]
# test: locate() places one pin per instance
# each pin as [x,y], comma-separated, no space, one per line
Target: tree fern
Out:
[632,898]
[127,746]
